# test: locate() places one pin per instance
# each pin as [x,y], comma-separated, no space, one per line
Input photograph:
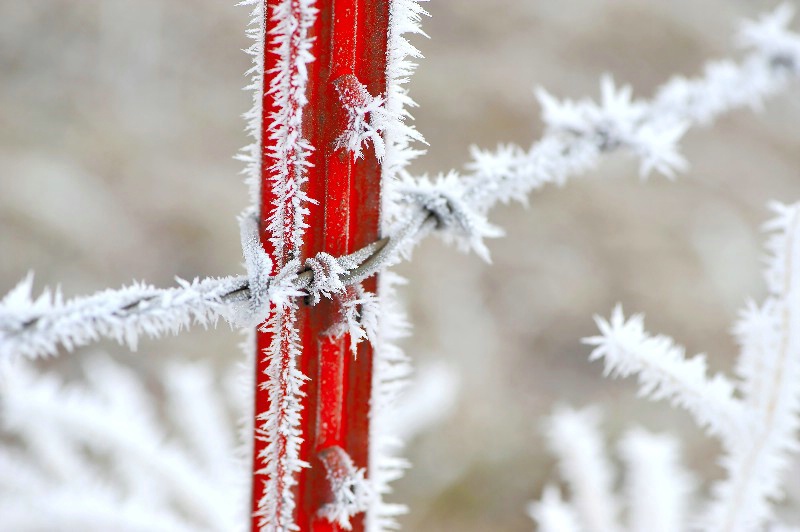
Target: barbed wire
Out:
[577,135]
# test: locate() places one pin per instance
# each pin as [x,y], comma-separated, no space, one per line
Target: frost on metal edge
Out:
[251,154]
[287,151]
[351,491]
[391,367]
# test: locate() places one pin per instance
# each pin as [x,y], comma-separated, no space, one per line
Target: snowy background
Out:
[119,120]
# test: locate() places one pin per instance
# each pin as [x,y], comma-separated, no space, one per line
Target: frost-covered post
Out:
[316,194]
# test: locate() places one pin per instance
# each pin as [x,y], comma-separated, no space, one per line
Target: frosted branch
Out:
[657,486]
[573,436]
[758,430]
[128,475]
[771,336]
[664,373]
[552,513]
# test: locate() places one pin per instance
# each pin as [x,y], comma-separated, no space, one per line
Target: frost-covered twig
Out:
[96,457]
[657,488]
[664,372]
[573,436]
[759,429]
[756,464]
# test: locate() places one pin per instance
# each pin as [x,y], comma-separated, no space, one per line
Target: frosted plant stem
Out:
[657,486]
[758,426]
[664,372]
[29,396]
[755,466]
[574,436]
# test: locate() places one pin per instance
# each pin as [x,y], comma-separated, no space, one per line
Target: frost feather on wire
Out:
[578,132]
[35,327]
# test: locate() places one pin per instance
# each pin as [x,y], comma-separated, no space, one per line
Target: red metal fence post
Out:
[346,37]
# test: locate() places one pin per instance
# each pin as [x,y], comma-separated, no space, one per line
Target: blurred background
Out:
[119,120]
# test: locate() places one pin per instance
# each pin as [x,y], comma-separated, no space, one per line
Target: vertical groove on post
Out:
[349,37]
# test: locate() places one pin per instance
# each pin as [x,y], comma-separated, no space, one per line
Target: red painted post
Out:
[349,37]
